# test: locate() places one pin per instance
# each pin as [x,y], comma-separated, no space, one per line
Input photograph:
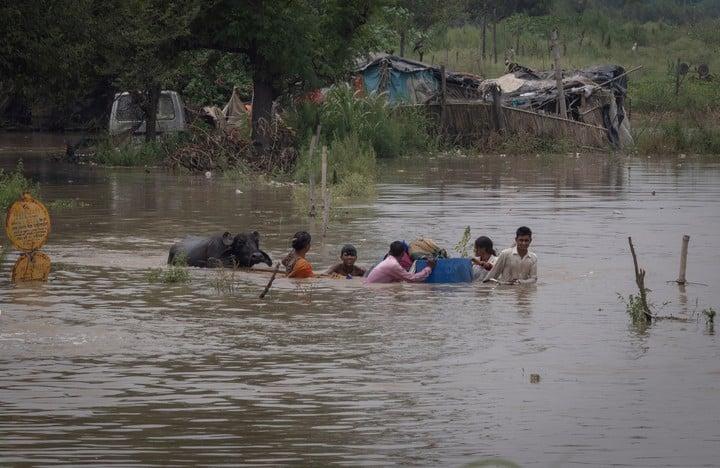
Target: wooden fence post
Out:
[498,122]
[562,106]
[443,98]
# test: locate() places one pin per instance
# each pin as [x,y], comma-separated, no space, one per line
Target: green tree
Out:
[286,43]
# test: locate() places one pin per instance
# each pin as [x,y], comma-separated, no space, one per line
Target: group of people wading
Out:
[515,265]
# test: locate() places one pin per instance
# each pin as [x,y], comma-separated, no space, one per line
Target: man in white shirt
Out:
[516,265]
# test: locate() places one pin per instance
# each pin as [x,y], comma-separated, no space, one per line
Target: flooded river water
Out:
[100,366]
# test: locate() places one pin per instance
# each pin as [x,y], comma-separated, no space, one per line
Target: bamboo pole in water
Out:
[313,143]
[325,191]
[683,259]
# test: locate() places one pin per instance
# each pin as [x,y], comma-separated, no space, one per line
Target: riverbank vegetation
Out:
[301,48]
[12,186]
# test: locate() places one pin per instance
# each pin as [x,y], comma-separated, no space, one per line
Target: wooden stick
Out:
[325,191]
[272,278]
[621,75]
[443,97]
[683,259]
[313,143]
[640,280]
[562,105]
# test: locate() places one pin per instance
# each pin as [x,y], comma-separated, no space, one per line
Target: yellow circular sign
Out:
[31,267]
[27,224]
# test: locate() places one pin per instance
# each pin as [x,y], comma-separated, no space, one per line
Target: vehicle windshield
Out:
[128,111]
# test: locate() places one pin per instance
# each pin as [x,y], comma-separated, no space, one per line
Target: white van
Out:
[125,114]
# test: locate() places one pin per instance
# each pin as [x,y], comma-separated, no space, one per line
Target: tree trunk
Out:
[402,44]
[263,95]
[153,98]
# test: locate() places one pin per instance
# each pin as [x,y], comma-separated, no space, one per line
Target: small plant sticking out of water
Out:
[462,246]
[709,314]
[223,280]
[177,272]
[63,203]
[635,309]
[3,253]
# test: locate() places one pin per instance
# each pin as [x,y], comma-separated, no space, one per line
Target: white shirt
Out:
[510,267]
[479,273]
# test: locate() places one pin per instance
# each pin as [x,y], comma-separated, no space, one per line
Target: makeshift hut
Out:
[594,96]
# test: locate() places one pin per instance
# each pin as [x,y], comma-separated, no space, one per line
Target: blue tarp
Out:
[401,87]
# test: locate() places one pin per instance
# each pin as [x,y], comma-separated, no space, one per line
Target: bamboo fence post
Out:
[562,107]
[325,191]
[443,97]
[313,143]
[683,259]
[497,109]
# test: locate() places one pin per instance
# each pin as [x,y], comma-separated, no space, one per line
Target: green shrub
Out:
[150,153]
[351,167]
[12,185]
[389,130]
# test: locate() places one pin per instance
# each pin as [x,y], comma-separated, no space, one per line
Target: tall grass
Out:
[351,166]
[388,130]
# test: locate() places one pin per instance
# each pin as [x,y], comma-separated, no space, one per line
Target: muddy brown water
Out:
[99,366]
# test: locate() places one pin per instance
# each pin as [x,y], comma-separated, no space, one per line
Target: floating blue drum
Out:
[449,270]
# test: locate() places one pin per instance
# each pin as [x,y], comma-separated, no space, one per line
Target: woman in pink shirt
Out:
[390,270]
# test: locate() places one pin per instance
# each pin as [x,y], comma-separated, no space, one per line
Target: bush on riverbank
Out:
[687,133]
[390,131]
[12,185]
[129,153]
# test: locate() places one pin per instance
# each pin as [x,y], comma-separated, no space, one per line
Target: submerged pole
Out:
[683,259]
[313,143]
[325,191]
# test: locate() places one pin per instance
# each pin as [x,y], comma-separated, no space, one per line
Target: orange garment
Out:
[301,269]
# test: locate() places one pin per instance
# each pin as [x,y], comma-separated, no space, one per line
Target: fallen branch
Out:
[640,280]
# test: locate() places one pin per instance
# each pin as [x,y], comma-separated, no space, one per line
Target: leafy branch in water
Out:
[177,272]
[462,246]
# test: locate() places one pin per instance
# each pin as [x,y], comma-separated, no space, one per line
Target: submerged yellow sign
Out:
[28,227]
[27,224]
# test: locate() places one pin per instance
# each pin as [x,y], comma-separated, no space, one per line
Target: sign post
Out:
[27,225]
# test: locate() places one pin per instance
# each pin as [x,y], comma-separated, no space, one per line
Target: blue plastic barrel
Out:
[449,270]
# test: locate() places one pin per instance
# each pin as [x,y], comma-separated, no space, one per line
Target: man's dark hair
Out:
[523,231]
[397,248]
[348,249]
[300,240]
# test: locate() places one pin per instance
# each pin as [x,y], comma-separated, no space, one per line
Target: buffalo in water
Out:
[223,250]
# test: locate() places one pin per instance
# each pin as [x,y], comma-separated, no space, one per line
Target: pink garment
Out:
[390,271]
